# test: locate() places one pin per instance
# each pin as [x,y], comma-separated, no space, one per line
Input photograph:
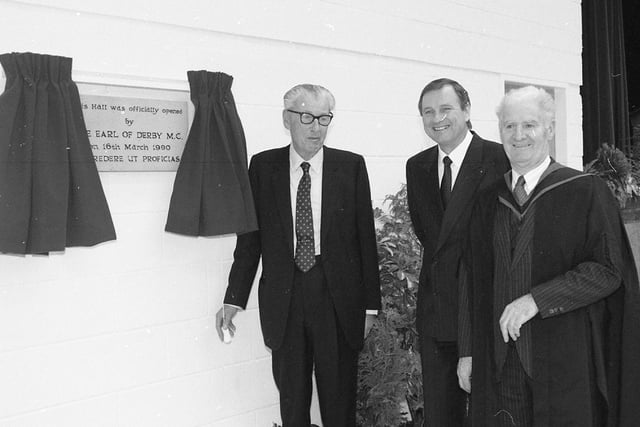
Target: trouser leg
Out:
[444,400]
[514,395]
[292,365]
[335,362]
[314,339]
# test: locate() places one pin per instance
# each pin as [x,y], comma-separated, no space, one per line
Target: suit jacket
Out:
[442,234]
[348,244]
[577,237]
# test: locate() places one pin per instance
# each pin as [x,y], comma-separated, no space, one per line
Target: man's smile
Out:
[521,146]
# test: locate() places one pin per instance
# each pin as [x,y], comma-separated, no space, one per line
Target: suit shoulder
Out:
[568,182]
[421,156]
[491,146]
[494,153]
[270,155]
[342,155]
[485,142]
[577,180]
[494,147]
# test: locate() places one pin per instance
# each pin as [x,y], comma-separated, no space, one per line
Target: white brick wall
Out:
[122,334]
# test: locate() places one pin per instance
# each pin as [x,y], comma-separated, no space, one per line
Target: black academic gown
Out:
[577,221]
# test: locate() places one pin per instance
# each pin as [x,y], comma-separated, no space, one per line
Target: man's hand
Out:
[224,319]
[464,373]
[516,314]
[368,323]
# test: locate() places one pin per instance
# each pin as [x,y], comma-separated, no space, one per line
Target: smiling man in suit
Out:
[320,278]
[442,183]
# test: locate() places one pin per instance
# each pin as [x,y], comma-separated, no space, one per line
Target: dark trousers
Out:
[580,405]
[514,394]
[313,339]
[444,401]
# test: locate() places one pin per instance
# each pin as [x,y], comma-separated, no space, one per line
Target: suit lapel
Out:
[282,195]
[507,207]
[467,183]
[330,192]
[429,198]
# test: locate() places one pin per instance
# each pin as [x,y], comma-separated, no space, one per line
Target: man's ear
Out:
[551,129]
[285,119]
[467,113]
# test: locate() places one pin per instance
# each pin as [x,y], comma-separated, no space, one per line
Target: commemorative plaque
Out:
[135,134]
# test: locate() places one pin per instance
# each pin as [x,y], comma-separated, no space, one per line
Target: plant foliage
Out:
[389,373]
[619,172]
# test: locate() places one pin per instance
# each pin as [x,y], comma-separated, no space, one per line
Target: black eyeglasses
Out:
[308,118]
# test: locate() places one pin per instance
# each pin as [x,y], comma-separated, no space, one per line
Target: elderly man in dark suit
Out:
[319,262]
[553,287]
[442,184]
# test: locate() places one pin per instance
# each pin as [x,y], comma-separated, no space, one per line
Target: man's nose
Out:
[519,133]
[315,124]
[440,118]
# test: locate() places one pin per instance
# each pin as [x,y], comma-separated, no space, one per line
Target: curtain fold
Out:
[50,192]
[604,82]
[211,193]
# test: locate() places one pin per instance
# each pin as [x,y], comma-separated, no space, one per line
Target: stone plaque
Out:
[135,134]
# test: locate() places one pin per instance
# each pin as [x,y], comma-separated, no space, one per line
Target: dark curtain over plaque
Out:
[50,192]
[211,194]
[604,83]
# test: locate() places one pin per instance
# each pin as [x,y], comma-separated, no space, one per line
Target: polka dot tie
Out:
[305,247]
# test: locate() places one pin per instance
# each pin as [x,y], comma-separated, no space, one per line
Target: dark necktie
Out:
[445,185]
[519,193]
[305,256]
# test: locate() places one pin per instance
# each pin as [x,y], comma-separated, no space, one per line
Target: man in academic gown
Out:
[553,289]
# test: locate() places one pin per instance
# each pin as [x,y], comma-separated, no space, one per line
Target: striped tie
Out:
[519,193]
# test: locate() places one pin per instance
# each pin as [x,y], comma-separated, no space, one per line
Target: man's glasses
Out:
[308,118]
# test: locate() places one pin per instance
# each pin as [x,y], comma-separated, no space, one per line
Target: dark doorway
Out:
[605,118]
[631,17]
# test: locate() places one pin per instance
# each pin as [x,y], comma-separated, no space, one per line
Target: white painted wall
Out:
[122,334]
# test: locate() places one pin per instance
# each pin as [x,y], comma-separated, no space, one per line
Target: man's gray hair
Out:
[543,99]
[317,91]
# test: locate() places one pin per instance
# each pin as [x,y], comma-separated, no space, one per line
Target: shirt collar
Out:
[316,161]
[458,153]
[532,177]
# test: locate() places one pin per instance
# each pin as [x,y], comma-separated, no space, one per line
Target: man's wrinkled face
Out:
[525,135]
[307,139]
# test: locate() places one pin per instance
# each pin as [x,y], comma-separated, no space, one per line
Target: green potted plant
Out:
[389,373]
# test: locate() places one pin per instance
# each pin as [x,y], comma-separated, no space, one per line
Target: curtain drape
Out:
[211,193]
[604,82]
[50,192]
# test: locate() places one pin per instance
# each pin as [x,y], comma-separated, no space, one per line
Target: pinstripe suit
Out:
[568,250]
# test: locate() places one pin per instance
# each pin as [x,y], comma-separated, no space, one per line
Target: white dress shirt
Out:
[532,177]
[315,172]
[456,156]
